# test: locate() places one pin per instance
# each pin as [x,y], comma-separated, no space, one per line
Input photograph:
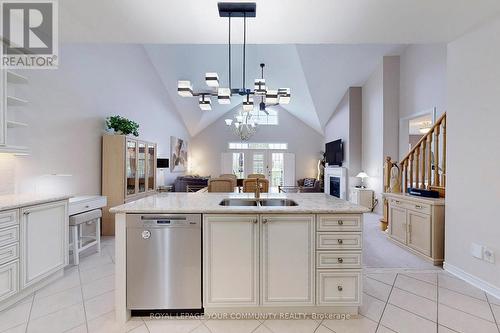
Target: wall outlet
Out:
[476,251]
[488,255]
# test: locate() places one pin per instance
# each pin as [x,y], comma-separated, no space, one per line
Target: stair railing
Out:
[424,167]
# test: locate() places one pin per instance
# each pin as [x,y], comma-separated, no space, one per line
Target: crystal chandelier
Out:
[243,126]
[267,96]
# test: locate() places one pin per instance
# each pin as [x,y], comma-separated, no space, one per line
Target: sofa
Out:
[309,185]
[182,182]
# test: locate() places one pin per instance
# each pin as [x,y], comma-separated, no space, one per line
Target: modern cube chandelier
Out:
[260,90]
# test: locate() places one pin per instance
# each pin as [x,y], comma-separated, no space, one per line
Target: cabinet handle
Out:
[26,213]
[340,260]
[255,221]
[339,288]
[397,201]
[418,206]
[264,221]
[340,222]
[340,241]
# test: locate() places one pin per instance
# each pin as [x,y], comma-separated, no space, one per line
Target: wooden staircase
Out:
[424,167]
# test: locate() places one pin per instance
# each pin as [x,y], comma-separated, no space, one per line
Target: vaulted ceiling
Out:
[318,48]
[277,21]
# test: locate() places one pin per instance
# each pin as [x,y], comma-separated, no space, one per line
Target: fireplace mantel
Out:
[341,174]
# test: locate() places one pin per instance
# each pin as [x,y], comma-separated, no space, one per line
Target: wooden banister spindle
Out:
[436,156]
[443,181]
[429,160]
[405,170]
[411,170]
[422,179]
[417,167]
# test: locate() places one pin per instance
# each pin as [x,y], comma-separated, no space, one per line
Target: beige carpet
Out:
[379,252]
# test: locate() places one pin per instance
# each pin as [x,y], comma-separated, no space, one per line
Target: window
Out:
[258,163]
[265,119]
[239,165]
[258,145]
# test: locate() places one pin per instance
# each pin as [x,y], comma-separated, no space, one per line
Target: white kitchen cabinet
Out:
[44,239]
[397,228]
[231,251]
[419,233]
[339,287]
[9,282]
[418,225]
[287,252]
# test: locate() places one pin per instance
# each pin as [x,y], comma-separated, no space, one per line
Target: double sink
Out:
[258,202]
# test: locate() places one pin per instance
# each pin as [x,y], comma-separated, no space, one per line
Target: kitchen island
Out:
[283,253]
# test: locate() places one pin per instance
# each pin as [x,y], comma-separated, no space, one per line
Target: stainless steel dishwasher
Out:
[164,262]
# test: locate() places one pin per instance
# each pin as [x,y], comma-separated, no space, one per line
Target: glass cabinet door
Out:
[141,167]
[151,166]
[131,166]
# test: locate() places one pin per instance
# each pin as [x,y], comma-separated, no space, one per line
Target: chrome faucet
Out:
[257,188]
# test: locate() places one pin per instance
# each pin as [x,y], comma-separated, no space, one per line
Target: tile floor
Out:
[394,300]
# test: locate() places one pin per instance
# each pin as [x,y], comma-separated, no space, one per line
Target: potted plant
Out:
[122,125]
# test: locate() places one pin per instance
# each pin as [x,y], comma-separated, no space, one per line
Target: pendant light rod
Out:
[229,44]
[244,47]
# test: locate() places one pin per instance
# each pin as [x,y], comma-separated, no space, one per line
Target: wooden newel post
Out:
[384,221]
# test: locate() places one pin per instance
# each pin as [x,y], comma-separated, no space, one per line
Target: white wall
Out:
[305,142]
[473,151]
[345,124]
[372,127]
[380,122]
[67,110]
[391,106]
[422,84]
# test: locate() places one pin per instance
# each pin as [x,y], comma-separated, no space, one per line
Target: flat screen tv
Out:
[334,153]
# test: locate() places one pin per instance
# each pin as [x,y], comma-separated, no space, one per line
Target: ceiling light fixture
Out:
[243,126]
[231,10]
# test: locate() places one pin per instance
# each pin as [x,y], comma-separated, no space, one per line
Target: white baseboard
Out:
[475,281]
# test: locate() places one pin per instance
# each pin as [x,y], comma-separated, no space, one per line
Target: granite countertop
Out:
[429,201]
[13,201]
[209,203]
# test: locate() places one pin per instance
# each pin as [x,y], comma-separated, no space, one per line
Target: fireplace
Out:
[335,186]
[336,182]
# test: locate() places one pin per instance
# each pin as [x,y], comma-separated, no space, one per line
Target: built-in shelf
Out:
[16,101]
[16,78]
[12,124]
[17,150]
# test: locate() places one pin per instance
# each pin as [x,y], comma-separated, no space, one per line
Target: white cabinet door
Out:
[230,259]
[44,241]
[419,233]
[287,258]
[397,224]
[9,279]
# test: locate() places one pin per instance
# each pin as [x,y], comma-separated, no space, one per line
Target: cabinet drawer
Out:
[338,241]
[415,206]
[85,206]
[9,235]
[9,218]
[338,259]
[9,253]
[339,288]
[9,279]
[339,223]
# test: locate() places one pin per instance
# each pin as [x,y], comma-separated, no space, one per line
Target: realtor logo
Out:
[29,34]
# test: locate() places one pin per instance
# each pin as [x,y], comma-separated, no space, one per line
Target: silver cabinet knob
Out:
[340,222]
[340,241]
[339,288]
[340,260]
[255,221]
[146,234]
[264,221]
